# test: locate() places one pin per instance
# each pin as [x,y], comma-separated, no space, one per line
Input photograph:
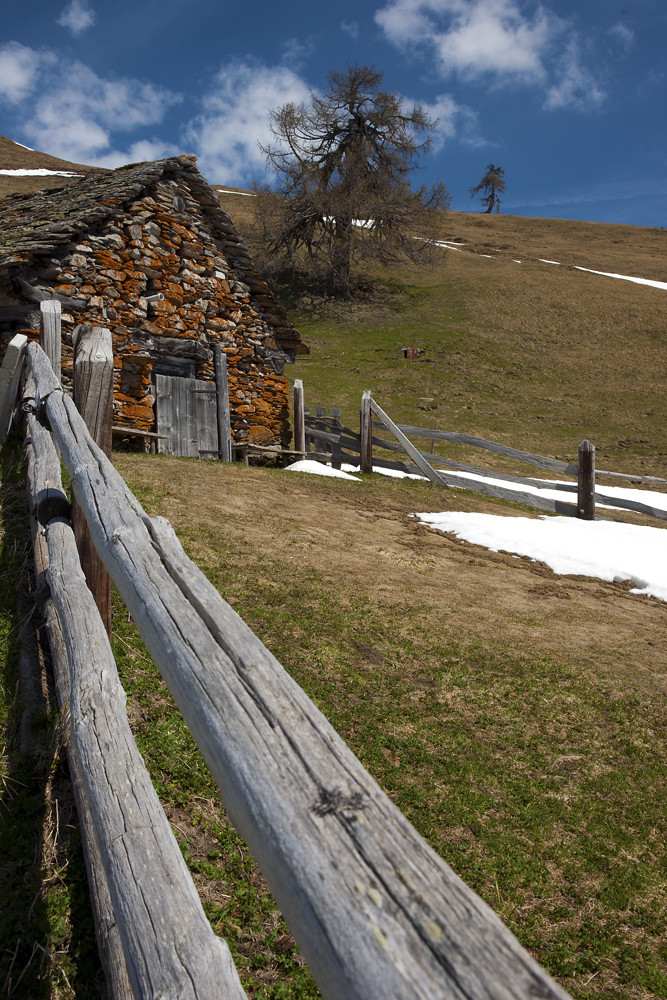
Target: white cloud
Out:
[295,52]
[350,28]
[226,136]
[454,121]
[19,69]
[68,110]
[497,41]
[623,34]
[575,87]
[77,17]
[474,37]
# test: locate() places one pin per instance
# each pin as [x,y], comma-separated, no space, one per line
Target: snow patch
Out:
[308,465]
[604,549]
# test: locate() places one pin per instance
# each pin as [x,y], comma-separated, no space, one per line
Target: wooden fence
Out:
[343,444]
[376,913]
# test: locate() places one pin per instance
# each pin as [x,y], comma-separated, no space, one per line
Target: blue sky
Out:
[569,98]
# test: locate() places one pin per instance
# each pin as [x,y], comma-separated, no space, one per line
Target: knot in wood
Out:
[29,404]
[336,801]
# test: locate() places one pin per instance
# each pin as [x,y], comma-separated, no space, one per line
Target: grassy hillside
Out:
[14,156]
[535,355]
[516,717]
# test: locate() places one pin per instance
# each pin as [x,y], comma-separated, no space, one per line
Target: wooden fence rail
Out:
[346,444]
[377,914]
[155,937]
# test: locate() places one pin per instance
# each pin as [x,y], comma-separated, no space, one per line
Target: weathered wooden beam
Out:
[377,914]
[299,417]
[222,397]
[409,448]
[47,499]
[168,944]
[133,432]
[336,418]
[93,395]
[366,432]
[586,481]
[474,442]
[50,334]
[10,376]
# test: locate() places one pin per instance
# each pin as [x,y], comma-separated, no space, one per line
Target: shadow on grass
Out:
[47,942]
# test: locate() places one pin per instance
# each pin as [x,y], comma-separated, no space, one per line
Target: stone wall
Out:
[168,238]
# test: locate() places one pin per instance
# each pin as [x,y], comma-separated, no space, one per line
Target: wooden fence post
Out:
[93,395]
[222,387]
[336,418]
[321,424]
[586,482]
[50,336]
[299,417]
[366,432]
[10,374]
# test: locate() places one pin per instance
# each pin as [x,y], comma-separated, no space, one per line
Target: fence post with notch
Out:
[93,396]
[586,482]
[299,417]
[366,432]
[50,335]
[222,397]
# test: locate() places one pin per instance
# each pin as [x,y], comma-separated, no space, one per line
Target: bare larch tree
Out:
[343,194]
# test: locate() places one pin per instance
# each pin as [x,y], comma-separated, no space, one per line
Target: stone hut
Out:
[148,252]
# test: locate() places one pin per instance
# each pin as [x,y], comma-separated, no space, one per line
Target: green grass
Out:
[47,944]
[538,774]
[540,781]
[235,897]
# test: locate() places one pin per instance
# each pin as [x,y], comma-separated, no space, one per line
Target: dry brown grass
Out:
[515,716]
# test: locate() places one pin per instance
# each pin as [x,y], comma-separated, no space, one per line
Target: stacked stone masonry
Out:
[108,247]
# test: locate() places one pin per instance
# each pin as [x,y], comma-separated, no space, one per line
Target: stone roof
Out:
[36,224]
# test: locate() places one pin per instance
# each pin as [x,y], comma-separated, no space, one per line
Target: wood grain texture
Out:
[93,395]
[43,479]
[187,418]
[586,481]
[299,417]
[50,334]
[222,400]
[366,432]
[148,905]
[106,929]
[377,914]
[10,376]
[169,946]
[407,446]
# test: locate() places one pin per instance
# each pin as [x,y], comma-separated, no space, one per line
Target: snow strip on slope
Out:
[42,172]
[625,277]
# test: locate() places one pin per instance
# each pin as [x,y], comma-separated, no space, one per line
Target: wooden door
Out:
[187,413]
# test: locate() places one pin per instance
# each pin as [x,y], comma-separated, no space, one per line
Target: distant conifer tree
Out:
[493,185]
